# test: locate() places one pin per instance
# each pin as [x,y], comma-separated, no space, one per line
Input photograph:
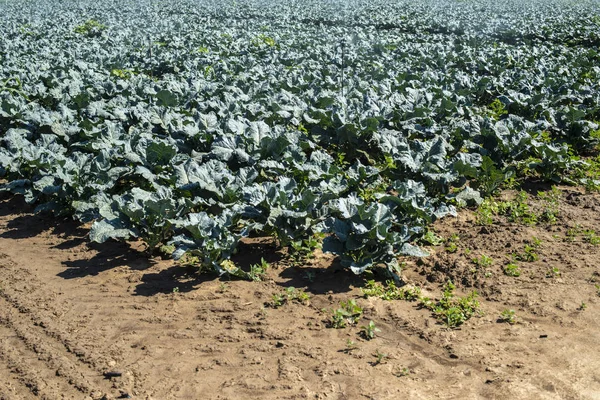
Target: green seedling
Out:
[368,331]
[258,271]
[390,291]
[430,238]
[508,316]
[278,300]
[402,372]
[223,287]
[450,309]
[350,346]
[452,243]
[591,237]
[550,201]
[486,211]
[90,28]
[511,269]
[380,357]
[529,251]
[582,306]
[348,313]
[290,294]
[483,261]
[303,250]
[572,233]
[553,272]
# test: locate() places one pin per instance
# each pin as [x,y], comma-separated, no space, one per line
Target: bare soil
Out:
[84,321]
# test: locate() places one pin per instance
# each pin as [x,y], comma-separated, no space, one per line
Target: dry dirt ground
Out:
[81,321]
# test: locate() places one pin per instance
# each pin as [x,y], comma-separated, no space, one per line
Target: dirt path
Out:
[71,312]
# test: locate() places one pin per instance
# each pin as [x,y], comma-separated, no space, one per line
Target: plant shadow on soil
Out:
[332,279]
[28,225]
[109,255]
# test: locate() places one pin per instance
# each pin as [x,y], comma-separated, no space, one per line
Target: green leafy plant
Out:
[390,291]
[258,271]
[122,73]
[303,249]
[483,261]
[550,202]
[452,243]
[590,236]
[529,253]
[508,316]
[90,28]
[368,331]
[519,210]
[290,294]
[453,310]
[430,238]
[497,109]
[512,269]
[347,314]
[350,346]
[380,357]
[402,372]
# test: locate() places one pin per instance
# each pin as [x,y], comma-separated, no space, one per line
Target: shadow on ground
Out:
[109,255]
[176,278]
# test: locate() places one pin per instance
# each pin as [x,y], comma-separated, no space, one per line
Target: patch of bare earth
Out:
[81,321]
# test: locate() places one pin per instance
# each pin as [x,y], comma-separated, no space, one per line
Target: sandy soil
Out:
[81,321]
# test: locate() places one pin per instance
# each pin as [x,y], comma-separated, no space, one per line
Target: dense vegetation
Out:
[193,124]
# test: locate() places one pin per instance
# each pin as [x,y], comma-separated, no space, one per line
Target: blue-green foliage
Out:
[196,123]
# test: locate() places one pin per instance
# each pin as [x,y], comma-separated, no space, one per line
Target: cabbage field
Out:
[194,124]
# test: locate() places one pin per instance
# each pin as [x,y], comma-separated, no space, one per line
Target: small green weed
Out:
[402,372]
[512,269]
[497,109]
[519,211]
[453,310]
[380,357]
[486,211]
[550,201]
[390,291]
[310,276]
[350,346]
[258,271]
[304,249]
[290,294]
[90,28]
[508,316]
[591,237]
[516,210]
[368,331]
[223,287]
[483,261]
[347,314]
[529,253]
[122,73]
[553,272]
[430,238]
[452,243]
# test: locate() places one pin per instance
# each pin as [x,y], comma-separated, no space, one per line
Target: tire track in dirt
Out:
[28,367]
[39,346]
[9,384]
